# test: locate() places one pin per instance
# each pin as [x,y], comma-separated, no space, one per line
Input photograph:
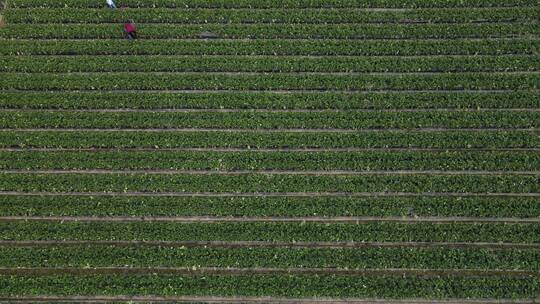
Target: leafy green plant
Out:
[366,139]
[63,64]
[435,206]
[217,81]
[328,47]
[280,15]
[270,31]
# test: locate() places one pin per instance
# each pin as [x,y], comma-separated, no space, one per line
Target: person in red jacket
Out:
[130,30]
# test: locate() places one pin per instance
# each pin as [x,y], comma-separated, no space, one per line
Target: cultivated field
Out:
[270,151]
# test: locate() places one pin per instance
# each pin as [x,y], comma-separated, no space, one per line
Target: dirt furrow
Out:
[269,150]
[313,219]
[371,8]
[248,300]
[302,38]
[277,91]
[219,73]
[295,130]
[291,39]
[183,110]
[270,172]
[229,56]
[269,194]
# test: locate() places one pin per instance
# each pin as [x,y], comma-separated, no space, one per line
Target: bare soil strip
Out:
[462,38]
[299,130]
[249,23]
[269,194]
[3,7]
[438,55]
[423,273]
[217,73]
[269,172]
[278,91]
[263,244]
[248,300]
[359,9]
[269,150]
[313,219]
[291,39]
[182,110]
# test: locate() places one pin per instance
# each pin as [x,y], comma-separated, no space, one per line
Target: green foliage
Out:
[270,31]
[297,16]
[264,231]
[268,183]
[271,47]
[205,81]
[276,120]
[428,55]
[247,139]
[163,256]
[269,100]
[63,64]
[272,285]
[252,160]
[520,207]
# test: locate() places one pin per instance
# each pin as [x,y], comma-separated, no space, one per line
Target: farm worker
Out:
[110,4]
[129,29]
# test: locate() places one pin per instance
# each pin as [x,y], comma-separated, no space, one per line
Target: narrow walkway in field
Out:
[242,110]
[269,150]
[272,172]
[268,194]
[279,91]
[296,130]
[290,56]
[247,300]
[457,38]
[270,73]
[303,219]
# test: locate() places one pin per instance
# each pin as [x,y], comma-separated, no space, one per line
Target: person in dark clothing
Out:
[130,30]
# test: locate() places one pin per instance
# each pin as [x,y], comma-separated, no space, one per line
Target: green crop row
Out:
[276,120]
[447,140]
[268,31]
[477,160]
[309,16]
[268,100]
[267,183]
[281,232]
[276,81]
[270,47]
[519,207]
[61,64]
[272,285]
[276,3]
[381,258]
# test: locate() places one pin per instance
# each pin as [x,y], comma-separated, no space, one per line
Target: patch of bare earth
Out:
[3,6]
